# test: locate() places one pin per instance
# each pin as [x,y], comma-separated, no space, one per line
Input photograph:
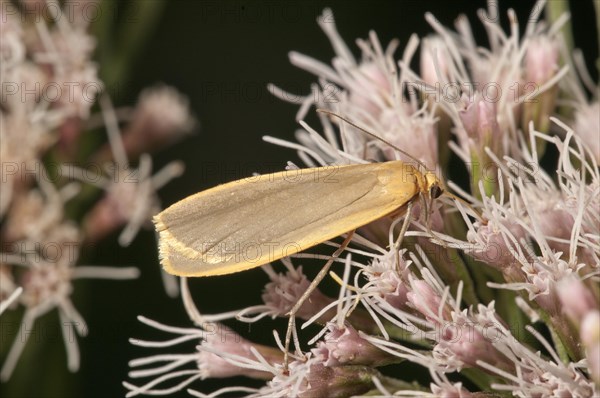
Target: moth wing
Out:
[250,222]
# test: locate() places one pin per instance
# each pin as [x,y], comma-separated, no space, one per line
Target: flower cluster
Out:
[497,293]
[494,293]
[50,214]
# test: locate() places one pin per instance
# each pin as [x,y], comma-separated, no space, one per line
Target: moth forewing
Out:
[250,222]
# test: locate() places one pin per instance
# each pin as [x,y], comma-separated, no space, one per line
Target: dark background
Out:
[221,55]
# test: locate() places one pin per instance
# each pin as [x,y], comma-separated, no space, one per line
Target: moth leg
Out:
[405,224]
[311,288]
[403,230]
[428,207]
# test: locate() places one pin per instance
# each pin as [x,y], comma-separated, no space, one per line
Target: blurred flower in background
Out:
[62,190]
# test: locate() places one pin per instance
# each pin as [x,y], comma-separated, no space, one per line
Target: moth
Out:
[250,222]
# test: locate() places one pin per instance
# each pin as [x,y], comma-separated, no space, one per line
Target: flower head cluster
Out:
[50,91]
[493,294]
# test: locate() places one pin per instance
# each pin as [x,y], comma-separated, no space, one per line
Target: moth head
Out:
[434,185]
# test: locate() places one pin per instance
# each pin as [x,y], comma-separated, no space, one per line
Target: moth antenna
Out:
[351,123]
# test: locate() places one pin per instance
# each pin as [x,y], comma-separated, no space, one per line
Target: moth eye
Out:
[435,191]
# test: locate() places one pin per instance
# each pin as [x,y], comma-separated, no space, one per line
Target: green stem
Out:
[564,337]
[478,377]
[560,348]
[475,174]
[403,335]
[101,29]
[135,26]
[554,9]
[481,277]
[469,294]
[472,282]
[140,16]
[392,385]
[512,314]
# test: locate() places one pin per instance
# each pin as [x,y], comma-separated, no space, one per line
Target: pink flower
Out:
[344,346]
